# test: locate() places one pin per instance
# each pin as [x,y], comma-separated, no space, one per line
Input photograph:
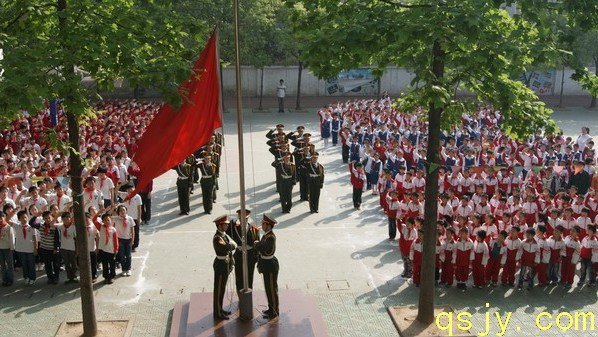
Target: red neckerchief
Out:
[125,222]
[107,232]
[24,227]
[102,182]
[64,232]
[46,228]
[58,201]
[90,190]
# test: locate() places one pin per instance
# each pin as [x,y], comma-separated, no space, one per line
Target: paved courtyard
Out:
[340,256]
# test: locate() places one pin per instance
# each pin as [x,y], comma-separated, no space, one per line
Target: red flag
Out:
[174,134]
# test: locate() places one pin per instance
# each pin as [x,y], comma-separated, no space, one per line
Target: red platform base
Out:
[299,317]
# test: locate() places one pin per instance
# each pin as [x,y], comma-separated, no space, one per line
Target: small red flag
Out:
[174,134]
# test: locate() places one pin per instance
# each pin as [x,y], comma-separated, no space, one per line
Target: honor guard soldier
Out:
[208,176]
[307,143]
[223,264]
[183,186]
[273,132]
[253,234]
[278,141]
[293,135]
[301,162]
[315,182]
[192,161]
[285,180]
[268,265]
[278,151]
[216,146]
[216,161]
[219,139]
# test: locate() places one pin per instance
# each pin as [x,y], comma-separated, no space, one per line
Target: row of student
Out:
[551,259]
[508,211]
[50,238]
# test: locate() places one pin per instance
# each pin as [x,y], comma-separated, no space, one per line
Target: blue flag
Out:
[54,112]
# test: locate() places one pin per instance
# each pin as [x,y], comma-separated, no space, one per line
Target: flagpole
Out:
[245,296]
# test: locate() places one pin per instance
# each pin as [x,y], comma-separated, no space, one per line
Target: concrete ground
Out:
[341,256]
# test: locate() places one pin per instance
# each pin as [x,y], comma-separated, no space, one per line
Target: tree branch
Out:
[23,13]
[402,5]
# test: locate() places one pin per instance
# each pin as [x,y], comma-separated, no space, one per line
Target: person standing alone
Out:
[281,91]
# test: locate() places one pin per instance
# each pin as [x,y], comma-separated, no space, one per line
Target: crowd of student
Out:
[37,230]
[504,204]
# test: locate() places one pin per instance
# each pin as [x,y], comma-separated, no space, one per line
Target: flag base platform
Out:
[299,317]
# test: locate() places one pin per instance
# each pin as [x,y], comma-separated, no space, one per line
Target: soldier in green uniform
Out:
[253,234]
[301,162]
[209,150]
[293,135]
[285,180]
[183,186]
[208,176]
[268,266]
[315,182]
[273,132]
[223,264]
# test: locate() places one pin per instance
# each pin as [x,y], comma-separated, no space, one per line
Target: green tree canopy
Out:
[261,35]
[142,41]
[47,44]
[485,50]
[447,43]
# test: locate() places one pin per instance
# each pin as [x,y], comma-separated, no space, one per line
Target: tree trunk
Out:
[379,89]
[261,89]
[562,85]
[298,103]
[90,326]
[593,102]
[425,313]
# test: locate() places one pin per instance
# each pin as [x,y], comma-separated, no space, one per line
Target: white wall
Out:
[395,81]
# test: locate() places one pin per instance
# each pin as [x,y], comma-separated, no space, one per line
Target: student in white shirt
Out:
[26,238]
[107,248]
[105,186]
[7,248]
[4,199]
[33,199]
[125,228]
[133,210]
[91,196]
[92,246]
[60,198]
[68,252]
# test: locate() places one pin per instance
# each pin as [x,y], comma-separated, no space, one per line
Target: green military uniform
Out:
[315,182]
[207,182]
[223,264]
[183,186]
[268,267]
[253,234]
[301,163]
[272,133]
[216,161]
[285,180]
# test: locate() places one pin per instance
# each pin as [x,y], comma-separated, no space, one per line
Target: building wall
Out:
[395,81]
